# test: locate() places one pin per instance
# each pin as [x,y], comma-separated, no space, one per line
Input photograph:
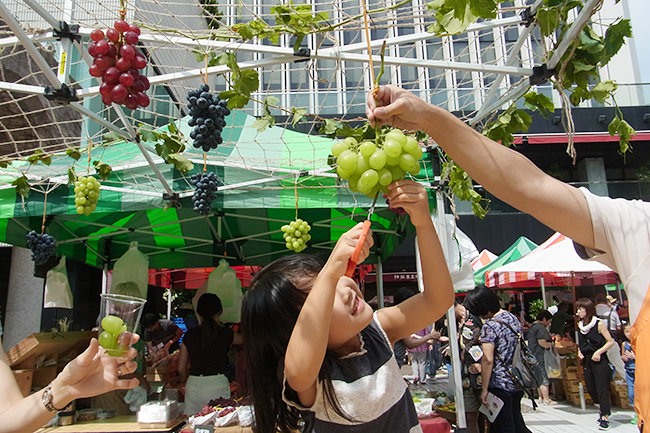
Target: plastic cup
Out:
[119,319]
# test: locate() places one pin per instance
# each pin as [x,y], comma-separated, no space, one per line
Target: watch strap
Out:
[47,399]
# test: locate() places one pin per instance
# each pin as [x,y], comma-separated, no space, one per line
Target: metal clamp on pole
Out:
[63,96]
[67,31]
[302,52]
[541,74]
[527,17]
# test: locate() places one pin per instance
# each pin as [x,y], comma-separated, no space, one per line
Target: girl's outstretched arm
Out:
[426,307]
[310,337]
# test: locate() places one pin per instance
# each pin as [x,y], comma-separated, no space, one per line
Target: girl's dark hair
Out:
[544,314]
[590,309]
[208,306]
[402,295]
[269,313]
[481,301]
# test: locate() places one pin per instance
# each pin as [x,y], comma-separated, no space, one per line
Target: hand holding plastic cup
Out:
[119,320]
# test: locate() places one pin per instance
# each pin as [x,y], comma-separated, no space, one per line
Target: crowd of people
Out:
[318,352]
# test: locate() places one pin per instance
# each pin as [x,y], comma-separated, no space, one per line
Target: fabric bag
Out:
[133,266]
[552,363]
[57,287]
[525,371]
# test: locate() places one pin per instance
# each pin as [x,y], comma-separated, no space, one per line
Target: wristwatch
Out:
[47,399]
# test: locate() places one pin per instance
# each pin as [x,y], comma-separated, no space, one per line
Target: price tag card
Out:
[206,428]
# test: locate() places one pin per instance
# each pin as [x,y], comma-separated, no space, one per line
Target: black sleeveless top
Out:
[591,341]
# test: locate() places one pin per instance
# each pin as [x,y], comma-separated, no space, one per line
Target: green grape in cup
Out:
[114,337]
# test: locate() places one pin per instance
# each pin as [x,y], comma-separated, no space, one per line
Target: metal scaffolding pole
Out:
[29,46]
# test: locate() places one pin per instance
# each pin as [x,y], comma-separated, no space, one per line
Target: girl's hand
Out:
[580,355]
[344,248]
[595,357]
[396,107]
[412,197]
[624,358]
[630,355]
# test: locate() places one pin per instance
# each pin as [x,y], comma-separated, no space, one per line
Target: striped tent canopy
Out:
[484,258]
[517,250]
[557,262]
[264,178]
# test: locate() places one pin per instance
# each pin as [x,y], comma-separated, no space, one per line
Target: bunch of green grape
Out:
[114,336]
[296,234]
[86,194]
[369,166]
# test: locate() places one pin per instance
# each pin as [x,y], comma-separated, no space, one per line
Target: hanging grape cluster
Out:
[118,63]
[296,234]
[206,191]
[43,246]
[86,194]
[208,111]
[369,167]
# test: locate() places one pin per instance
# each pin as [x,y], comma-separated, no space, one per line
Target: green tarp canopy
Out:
[517,250]
[264,177]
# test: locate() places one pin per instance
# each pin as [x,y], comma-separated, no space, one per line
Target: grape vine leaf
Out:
[267,120]
[5,163]
[462,186]
[298,115]
[615,38]
[548,20]
[73,152]
[22,186]
[104,170]
[538,102]
[181,163]
[329,127]
[72,176]
[243,83]
[603,90]
[110,137]
[40,156]
[618,126]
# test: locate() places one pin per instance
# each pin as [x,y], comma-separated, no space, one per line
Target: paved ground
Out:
[565,418]
[562,418]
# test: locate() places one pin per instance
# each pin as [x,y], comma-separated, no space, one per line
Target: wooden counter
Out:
[127,424]
[118,424]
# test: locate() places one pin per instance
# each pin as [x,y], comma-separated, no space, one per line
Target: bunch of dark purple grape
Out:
[208,112]
[43,246]
[206,188]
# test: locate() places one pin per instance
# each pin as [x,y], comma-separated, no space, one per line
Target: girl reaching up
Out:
[314,347]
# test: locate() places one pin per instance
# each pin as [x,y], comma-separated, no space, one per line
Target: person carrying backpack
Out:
[498,342]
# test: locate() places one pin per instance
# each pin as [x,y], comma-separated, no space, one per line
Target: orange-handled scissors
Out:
[352,264]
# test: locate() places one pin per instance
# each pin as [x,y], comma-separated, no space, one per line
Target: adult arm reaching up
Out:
[504,172]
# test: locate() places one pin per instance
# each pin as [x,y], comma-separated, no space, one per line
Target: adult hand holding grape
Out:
[397,107]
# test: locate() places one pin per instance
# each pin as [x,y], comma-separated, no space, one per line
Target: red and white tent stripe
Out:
[485,258]
[557,262]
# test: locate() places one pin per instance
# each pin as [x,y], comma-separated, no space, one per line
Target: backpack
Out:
[525,371]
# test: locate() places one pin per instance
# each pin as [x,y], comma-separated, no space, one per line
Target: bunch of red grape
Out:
[225,411]
[370,166]
[207,409]
[118,63]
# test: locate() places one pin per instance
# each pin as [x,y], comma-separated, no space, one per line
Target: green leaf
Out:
[615,38]
[111,136]
[72,176]
[603,90]
[199,55]
[264,122]
[39,156]
[613,126]
[5,163]
[181,163]
[104,170]
[329,127]
[73,152]
[271,100]
[171,126]
[149,135]
[548,19]
[298,115]
[538,102]
[22,186]
[483,8]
